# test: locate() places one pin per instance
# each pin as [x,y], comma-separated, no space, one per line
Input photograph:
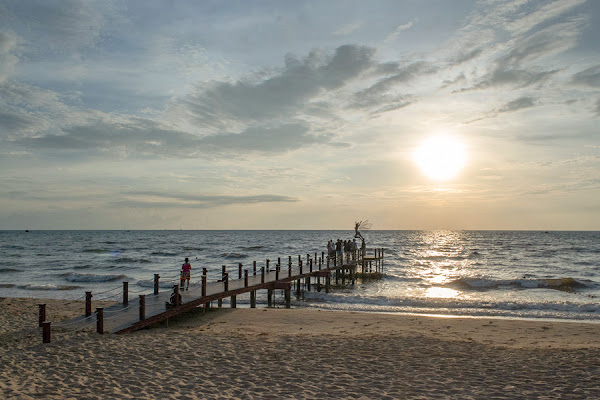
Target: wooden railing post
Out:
[268,261]
[46,332]
[156,278]
[240,270]
[203,285]
[176,290]
[42,309]
[254,267]
[142,307]
[88,304]
[253,299]
[125,293]
[311,265]
[277,273]
[245,278]
[226,282]
[100,320]
[223,272]
[300,266]
[288,297]
[262,274]
[290,267]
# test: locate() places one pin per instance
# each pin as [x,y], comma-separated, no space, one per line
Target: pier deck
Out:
[146,310]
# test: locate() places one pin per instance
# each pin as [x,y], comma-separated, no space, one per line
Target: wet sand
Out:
[298,353]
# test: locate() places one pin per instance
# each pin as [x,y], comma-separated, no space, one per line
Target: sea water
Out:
[467,273]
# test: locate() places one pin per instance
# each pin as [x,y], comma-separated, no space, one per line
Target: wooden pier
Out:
[312,273]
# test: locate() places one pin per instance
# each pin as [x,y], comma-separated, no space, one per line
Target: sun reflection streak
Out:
[441,293]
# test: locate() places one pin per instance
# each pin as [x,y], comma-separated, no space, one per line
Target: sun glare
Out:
[441,157]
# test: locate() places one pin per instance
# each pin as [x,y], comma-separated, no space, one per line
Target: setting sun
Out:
[440,157]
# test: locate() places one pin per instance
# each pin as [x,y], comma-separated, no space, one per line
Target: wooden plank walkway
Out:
[146,310]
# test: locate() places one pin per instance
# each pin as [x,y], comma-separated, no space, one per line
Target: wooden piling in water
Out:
[269,297]
[288,297]
[240,270]
[203,285]
[254,268]
[233,302]
[253,299]
[125,293]
[245,278]
[156,278]
[262,274]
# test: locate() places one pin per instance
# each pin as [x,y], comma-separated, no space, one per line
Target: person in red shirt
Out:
[186,272]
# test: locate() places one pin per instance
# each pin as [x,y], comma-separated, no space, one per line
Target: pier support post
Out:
[307,283]
[203,285]
[220,303]
[310,263]
[290,268]
[42,309]
[100,320]
[46,331]
[156,278]
[125,293]
[318,283]
[288,297]
[269,297]
[300,265]
[298,289]
[88,304]
[142,307]
[353,274]
[262,274]
[233,302]
[245,278]
[327,283]
[226,282]
[176,290]
[253,299]
[277,273]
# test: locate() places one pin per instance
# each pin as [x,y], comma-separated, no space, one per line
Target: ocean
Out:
[514,274]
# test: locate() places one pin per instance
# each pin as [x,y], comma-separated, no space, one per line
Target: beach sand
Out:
[297,353]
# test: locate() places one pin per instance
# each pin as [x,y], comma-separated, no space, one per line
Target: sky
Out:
[300,115]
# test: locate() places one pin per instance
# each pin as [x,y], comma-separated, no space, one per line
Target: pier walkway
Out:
[145,310]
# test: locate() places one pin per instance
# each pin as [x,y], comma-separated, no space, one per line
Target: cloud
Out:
[382,96]
[136,137]
[401,28]
[59,27]
[7,59]
[348,29]
[221,104]
[149,199]
[518,104]
[512,106]
[588,77]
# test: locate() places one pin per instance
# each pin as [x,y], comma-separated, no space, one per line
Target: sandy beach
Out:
[297,353]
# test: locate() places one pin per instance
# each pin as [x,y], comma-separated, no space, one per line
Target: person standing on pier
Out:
[186,272]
